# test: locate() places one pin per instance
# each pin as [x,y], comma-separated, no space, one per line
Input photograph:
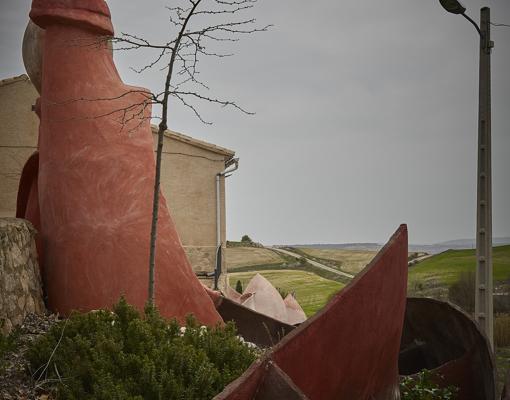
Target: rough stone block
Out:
[20,281]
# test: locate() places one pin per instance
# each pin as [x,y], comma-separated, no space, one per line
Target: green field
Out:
[445,268]
[312,291]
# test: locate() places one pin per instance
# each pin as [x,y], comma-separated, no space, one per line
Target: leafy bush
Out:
[462,292]
[421,386]
[7,343]
[119,355]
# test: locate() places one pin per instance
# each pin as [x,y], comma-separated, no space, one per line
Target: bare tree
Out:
[198,25]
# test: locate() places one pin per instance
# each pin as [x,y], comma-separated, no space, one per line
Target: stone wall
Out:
[20,282]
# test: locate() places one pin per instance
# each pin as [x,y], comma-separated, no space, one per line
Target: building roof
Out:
[14,79]
[173,135]
[195,142]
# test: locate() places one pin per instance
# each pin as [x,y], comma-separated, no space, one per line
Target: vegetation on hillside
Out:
[446,267]
[245,241]
[122,355]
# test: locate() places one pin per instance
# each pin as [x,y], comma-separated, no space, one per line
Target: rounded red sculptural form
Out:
[96,177]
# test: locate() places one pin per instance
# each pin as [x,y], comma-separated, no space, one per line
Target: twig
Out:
[52,353]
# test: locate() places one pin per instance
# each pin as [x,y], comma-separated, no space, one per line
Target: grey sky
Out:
[366,116]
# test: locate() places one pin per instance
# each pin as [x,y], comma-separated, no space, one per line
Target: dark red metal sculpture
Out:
[348,350]
[439,336]
[505,395]
[254,327]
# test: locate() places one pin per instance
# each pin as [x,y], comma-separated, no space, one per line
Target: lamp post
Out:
[484,312]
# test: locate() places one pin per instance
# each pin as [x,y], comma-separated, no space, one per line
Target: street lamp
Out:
[453,6]
[484,312]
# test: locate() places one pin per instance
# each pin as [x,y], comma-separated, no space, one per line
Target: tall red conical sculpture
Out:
[96,177]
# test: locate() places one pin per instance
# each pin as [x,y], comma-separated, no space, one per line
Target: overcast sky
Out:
[366,116]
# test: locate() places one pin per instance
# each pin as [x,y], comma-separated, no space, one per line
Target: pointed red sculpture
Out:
[261,296]
[347,351]
[96,177]
[265,298]
[295,314]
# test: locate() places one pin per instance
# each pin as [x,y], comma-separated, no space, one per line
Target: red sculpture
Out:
[348,350]
[95,177]
[439,336]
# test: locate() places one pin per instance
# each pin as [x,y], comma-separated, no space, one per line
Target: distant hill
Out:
[459,244]
[471,243]
[435,248]
[342,246]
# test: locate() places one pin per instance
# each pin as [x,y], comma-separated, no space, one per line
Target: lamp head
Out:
[453,6]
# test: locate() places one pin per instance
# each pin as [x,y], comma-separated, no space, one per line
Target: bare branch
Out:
[144,92]
[223,103]
[192,108]
[191,41]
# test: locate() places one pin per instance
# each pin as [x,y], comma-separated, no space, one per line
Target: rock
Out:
[20,281]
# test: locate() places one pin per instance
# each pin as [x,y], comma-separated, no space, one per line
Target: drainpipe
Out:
[230,166]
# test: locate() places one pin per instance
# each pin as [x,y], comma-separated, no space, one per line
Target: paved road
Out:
[314,263]
[419,259]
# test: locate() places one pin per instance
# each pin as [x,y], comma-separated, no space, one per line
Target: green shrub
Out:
[120,355]
[246,239]
[239,287]
[7,343]
[462,292]
[422,386]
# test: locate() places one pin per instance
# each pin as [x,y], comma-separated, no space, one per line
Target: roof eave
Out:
[227,153]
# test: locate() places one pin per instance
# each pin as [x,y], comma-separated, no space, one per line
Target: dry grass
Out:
[246,256]
[503,366]
[502,330]
[351,261]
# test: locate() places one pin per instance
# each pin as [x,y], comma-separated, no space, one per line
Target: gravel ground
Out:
[15,382]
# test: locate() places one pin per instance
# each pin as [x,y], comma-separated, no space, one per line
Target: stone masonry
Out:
[20,282]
